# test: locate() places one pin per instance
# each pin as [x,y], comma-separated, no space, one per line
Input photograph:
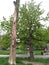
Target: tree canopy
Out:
[28,25]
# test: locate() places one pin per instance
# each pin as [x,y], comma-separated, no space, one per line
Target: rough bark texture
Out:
[30,48]
[12,57]
[30,41]
[31,52]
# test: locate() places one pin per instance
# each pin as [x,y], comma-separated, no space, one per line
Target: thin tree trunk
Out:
[31,51]
[30,41]
[12,57]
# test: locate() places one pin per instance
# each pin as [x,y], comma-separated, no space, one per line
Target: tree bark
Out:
[30,41]
[12,56]
[31,51]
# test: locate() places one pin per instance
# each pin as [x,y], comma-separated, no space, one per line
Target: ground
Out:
[33,63]
[23,58]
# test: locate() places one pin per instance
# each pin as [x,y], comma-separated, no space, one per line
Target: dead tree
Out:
[12,56]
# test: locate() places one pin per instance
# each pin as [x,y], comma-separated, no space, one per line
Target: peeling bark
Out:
[12,57]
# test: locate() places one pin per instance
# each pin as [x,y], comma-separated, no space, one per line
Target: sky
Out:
[7,8]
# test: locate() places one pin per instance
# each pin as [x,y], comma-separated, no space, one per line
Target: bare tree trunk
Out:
[31,51]
[29,44]
[12,57]
[30,41]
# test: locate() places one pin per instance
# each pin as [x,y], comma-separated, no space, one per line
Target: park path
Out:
[33,63]
[27,55]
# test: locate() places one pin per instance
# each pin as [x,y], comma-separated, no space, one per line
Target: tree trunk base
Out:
[31,52]
[31,55]
[12,62]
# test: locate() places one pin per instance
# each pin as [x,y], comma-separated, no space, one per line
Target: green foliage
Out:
[6,25]
[29,23]
[47,35]
[5,40]
[28,26]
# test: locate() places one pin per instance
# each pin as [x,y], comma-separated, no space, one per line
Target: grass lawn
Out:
[4,61]
[44,61]
[38,52]
[18,51]
[4,52]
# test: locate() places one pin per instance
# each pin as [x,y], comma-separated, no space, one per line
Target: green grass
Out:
[18,51]
[4,61]
[44,61]
[38,52]
[4,52]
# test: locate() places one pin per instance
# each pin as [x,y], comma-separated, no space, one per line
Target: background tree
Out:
[5,41]
[6,26]
[29,23]
[29,29]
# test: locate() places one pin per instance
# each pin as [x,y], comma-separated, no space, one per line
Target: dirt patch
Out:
[33,63]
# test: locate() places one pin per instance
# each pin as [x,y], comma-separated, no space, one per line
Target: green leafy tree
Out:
[6,26]
[29,29]
[39,36]
[5,41]
[29,23]
[47,35]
